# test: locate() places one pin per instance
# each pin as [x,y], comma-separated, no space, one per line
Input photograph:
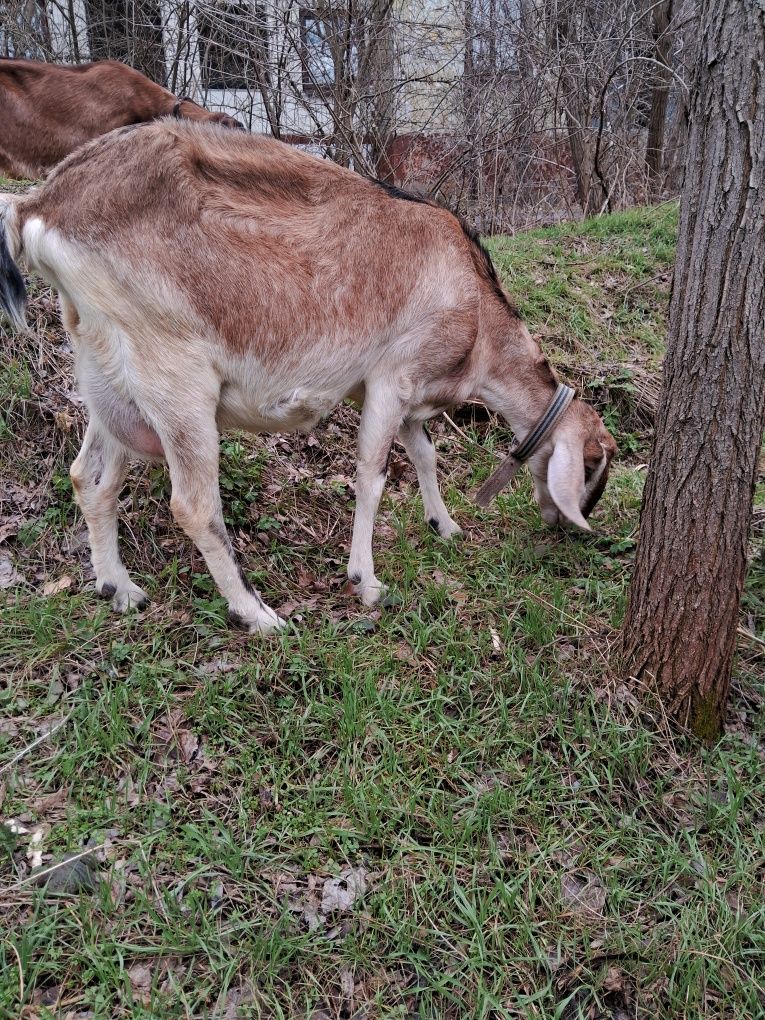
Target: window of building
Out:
[316,52]
[326,43]
[231,38]
[492,28]
[127,30]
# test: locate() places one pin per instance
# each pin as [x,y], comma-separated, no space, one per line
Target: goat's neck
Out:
[517,381]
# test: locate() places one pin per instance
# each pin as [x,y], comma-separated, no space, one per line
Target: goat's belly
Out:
[125,423]
[120,416]
[298,411]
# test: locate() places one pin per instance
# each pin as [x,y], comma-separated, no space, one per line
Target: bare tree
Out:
[654,153]
[680,627]
[512,111]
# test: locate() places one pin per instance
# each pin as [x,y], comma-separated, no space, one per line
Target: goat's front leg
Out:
[380,419]
[97,476]
[192,457]
[422,453]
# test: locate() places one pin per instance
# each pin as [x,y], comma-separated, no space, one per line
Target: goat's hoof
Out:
[124,598]
[266,622]
[445,529]
[371,592]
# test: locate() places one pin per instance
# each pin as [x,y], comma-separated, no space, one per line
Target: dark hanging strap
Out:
[520,454]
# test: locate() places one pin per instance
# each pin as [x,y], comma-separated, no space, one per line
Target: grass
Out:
[513,836]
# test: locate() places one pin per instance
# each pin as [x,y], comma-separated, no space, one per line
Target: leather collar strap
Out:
[178,104]
[521,453]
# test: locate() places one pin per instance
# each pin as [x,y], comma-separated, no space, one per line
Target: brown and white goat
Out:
[213,280]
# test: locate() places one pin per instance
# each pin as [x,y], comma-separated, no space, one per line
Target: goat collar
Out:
[178,104]
[520,454]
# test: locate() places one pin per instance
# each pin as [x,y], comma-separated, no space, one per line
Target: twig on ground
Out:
[743,632]
[30,747]
[49,871]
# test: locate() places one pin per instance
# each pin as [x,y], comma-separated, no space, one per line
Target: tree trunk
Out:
[576,106]
[680,627]
[654,153]
[583,145]
[685,34]
[383,126]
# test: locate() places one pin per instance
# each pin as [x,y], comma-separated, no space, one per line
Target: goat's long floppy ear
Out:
[565,479]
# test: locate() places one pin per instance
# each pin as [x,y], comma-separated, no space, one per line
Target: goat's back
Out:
[268,244]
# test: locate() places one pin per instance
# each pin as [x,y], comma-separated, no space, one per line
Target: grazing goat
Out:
[213,280]
[49,110]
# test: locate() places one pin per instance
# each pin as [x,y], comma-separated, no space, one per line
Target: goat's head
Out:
[570,469]
[185,108]
[226,121]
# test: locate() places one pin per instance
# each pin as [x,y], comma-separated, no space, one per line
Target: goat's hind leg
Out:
[97,476]
[192,455]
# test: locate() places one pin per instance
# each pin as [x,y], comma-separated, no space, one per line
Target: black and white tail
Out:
[13,296]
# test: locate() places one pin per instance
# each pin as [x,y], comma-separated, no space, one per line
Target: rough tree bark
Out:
[680,627]
[654,153]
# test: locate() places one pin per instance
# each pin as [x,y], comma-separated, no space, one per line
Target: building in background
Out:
[512,111]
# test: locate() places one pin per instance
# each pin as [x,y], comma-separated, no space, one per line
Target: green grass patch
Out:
[448,808]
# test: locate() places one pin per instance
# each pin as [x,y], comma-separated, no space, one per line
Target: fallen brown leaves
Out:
[320,899]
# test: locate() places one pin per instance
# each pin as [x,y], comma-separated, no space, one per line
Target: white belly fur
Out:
[299,411]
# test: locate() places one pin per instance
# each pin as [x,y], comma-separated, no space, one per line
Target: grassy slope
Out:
[532,846]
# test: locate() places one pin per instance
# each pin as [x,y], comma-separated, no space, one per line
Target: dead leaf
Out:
[188,743]
[266,797]
[180,743]
[65,422]
[397,468]
[496,641]
[732,897]
[9,576]
[220,664]
[342,892]
[309,911]
[615,981]
[309,582]
[583,893]
[236,997]
[49,996]
[54,587]
[347,986]
[625,696]
[10,527]
[304,579]
[140,977]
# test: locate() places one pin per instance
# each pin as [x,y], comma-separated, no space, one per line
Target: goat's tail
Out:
[13,295]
